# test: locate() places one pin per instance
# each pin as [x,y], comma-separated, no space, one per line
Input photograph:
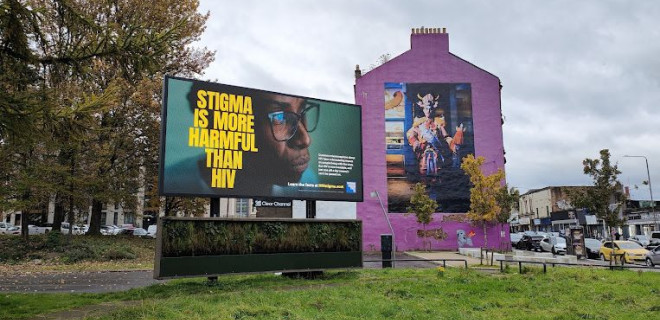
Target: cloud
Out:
[578,76]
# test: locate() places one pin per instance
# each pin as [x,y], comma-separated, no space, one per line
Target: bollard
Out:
[386,249]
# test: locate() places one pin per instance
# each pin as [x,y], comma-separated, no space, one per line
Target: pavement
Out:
[110,281]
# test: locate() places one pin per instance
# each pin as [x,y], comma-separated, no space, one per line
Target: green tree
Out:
[484,208]
[422,206]
[75,75]
[606,196]
[508,200]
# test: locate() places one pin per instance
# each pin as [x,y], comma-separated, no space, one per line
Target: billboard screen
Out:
[225,141]
[428,131]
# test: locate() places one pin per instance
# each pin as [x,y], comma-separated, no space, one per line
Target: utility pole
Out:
[648,175]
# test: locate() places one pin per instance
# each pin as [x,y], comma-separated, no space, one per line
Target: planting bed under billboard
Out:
[225,141]
[188,247]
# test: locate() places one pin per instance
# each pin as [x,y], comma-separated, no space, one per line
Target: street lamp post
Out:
[375,194]
[655,221]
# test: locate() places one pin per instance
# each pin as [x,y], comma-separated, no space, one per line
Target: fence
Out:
[444,261]
[553,264]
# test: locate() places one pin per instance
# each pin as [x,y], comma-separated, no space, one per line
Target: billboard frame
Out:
[163,135]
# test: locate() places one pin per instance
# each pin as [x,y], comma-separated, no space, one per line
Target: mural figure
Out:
[428,132]
[463,238]
[431,159]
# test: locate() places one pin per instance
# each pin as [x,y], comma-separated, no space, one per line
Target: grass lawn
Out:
[562,293]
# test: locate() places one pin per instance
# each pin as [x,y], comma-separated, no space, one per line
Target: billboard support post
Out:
[310,209]
[215,207]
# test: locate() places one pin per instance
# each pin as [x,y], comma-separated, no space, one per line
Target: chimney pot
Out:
[358,72]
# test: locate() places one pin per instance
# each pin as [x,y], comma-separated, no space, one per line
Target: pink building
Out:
[422,112]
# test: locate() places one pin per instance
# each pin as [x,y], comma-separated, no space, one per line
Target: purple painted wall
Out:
[428,61]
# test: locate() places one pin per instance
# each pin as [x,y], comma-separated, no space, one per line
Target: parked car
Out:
[140,232]
[77,230]
[151,231]
[593,247]
[632,251]
[4,227]
[515,237]
[34,229]
[530,242]
[124,232]
[654,239]
[13,230]
[653,257]
[556,245]
[110,230]
[641,239]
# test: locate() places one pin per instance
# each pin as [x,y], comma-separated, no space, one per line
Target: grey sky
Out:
[578,76]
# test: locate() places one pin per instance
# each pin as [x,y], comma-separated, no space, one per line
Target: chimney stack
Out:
[435,39]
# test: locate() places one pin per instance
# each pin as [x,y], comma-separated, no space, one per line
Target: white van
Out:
[151,231]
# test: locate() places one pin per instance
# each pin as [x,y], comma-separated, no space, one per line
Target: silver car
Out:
[641,239]
[653,257]
[556,245]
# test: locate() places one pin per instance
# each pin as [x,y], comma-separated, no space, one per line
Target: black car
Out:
[530,242]
[593,247]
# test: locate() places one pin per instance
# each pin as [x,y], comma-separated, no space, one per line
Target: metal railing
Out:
[444,261]
[553,264]
[481,255]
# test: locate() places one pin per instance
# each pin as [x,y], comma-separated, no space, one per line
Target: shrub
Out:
[79,252]
[54,239]
[119,253]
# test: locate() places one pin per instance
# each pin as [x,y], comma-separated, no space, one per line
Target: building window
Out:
[129,218]
[242,207]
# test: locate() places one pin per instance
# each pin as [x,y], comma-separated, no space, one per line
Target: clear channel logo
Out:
[351,187]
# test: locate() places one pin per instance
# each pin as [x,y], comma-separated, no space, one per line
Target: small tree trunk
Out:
[95,219]
[25,232]
[72,171]
[58,216]
[485,236]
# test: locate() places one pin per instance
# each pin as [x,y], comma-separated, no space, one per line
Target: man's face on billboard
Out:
[286,135]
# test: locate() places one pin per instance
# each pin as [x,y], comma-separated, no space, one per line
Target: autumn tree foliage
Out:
[422,206]
[484,207]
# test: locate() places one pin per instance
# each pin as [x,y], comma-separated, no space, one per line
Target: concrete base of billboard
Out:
[208,266]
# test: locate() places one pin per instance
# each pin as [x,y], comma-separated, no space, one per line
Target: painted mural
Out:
[429,129]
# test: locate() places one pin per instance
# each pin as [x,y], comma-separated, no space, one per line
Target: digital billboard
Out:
[428,132]
[220,140]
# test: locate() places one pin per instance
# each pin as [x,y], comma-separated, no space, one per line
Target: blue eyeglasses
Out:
[284,124]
